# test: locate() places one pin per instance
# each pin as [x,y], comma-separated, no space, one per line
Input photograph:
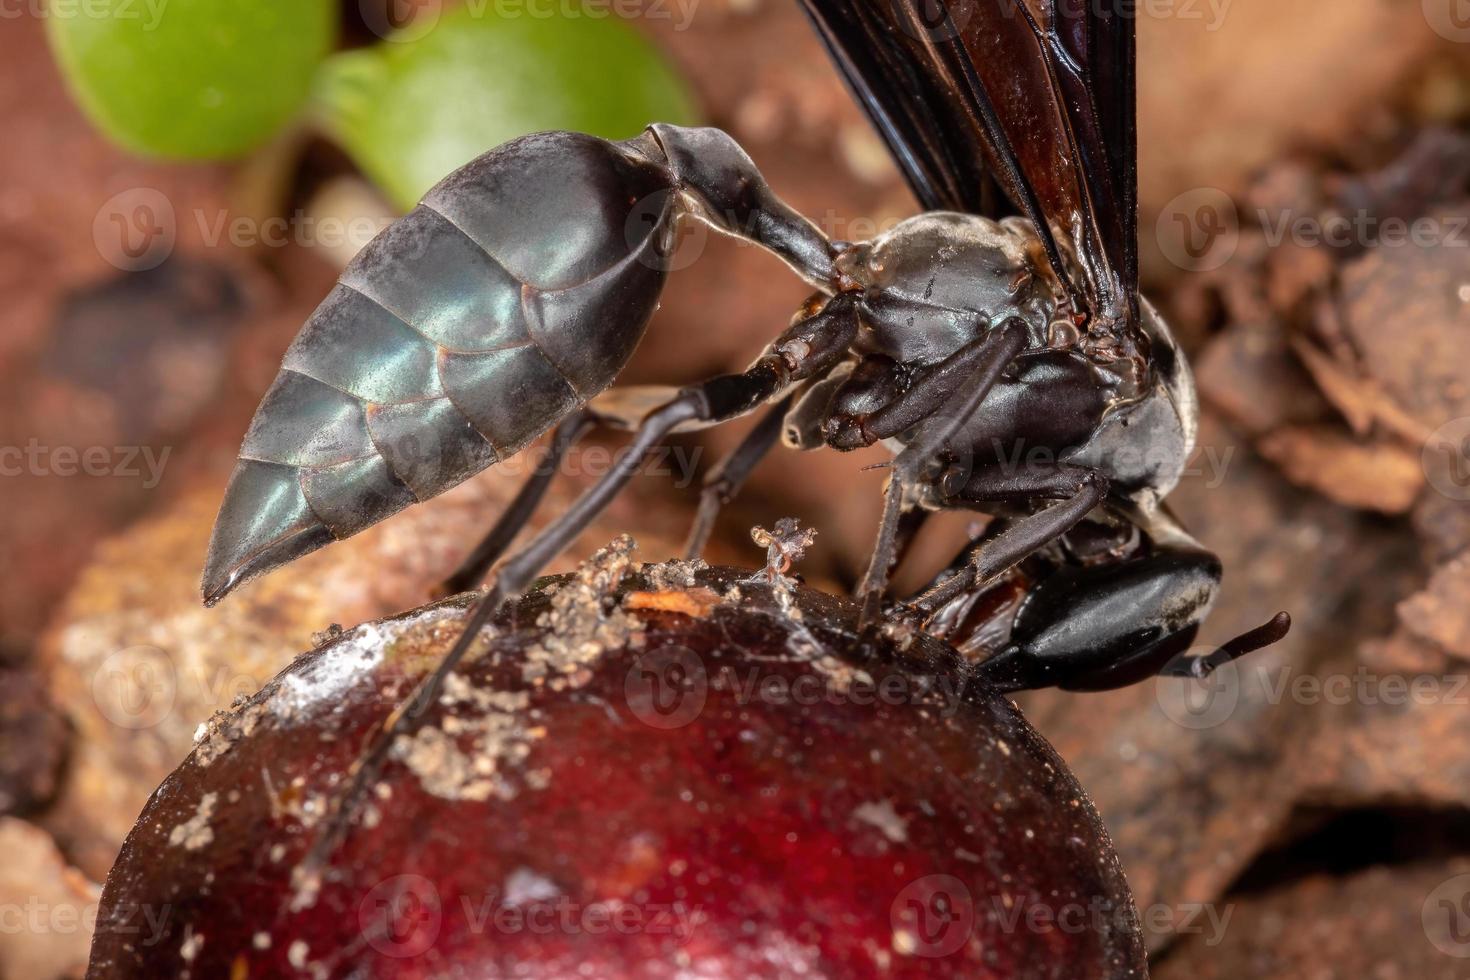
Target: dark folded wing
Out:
[1035,97]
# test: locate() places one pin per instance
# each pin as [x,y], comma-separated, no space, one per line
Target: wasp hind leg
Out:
[618,409]
[728,476]
[477,564]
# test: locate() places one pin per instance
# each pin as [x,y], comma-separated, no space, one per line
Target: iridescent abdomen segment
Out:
[513,293]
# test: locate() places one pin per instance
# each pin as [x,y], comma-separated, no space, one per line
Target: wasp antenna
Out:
[1262,636]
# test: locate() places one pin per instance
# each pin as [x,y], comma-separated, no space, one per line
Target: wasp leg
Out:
[1080,489]
[617,408]
[980,364]
[910,521]
[1107,625]
[724,481]
[807,348]
[1098,627]
[471,572]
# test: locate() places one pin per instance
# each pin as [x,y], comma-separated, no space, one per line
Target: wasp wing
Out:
[1033,97]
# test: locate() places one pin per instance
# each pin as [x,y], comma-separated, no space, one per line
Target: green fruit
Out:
[192,79]
[437,95]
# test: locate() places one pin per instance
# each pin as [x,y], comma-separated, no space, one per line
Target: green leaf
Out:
[435,96]
[190,79]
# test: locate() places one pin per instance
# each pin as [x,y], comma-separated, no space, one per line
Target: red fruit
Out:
[677,773]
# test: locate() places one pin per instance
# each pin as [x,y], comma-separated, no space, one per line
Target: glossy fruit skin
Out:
[683,783]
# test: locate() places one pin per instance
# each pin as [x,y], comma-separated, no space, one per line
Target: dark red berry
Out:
[666,772]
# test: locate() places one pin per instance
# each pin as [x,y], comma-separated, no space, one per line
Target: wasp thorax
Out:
[939,280]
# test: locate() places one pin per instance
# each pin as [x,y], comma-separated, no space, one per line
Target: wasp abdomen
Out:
[513,293]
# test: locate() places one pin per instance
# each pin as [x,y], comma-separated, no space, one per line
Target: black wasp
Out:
[1004,320]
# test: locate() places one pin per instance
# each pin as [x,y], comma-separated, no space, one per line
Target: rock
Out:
[49,908]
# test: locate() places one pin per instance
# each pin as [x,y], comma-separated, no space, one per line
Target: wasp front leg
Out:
[929,408]
[1100,624]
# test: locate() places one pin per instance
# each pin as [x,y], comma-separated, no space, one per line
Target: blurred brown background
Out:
[1269,828]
